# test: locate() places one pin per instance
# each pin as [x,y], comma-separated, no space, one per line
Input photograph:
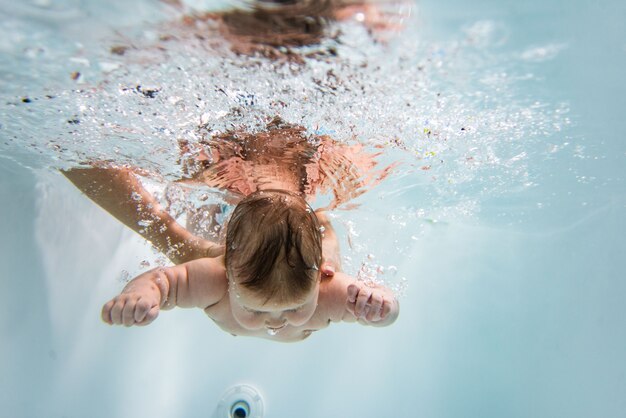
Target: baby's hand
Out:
[131,308]
[372,304]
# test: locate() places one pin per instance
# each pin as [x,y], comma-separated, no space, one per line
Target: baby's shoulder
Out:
[333,295]
[207,280]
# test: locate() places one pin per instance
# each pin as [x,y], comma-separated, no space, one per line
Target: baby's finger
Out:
[353,291]
[361,301]
[150,316]
[376,304]
[128,314]
[116,310]
[365,312]
[350,307]
[141,309]
[387,304]
[106,312]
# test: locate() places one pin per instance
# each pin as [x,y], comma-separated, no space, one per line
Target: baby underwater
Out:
[268,283]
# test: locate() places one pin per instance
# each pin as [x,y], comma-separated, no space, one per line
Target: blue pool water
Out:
[514,299]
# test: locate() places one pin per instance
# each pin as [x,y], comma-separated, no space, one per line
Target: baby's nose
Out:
[275,315]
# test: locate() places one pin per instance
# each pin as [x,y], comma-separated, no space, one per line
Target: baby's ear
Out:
[327,269]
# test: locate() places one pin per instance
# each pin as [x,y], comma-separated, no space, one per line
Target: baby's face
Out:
[253,313]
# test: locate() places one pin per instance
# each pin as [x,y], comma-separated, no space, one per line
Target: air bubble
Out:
[124,276]
[145,222]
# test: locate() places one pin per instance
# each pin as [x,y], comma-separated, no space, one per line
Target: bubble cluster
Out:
[449,112]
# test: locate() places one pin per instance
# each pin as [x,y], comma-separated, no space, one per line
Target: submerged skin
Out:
[204,284]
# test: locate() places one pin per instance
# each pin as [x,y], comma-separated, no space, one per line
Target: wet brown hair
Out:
[274,246]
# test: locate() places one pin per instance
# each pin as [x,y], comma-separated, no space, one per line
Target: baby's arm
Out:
[197,284]
[119,192]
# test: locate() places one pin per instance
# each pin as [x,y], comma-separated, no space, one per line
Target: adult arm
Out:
[119,192]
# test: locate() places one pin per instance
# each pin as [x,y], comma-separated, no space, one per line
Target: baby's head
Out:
[273,254]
